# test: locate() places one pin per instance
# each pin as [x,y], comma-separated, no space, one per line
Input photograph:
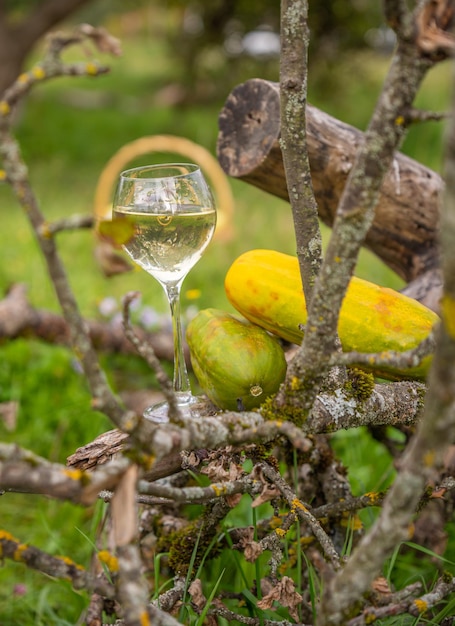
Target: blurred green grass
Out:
[68,129]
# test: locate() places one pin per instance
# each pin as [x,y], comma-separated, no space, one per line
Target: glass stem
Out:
[181,380]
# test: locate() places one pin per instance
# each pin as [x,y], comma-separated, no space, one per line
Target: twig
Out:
[415,116]
[351,505]
[94,614]
[167,600]
[293,96]
[73,222]
[18,318]
[443,587]
[200,494]
[231,616]
[405,601]
[303,512]
[24,472]
[403,360]
[17,175]
[147,352]
[60,567]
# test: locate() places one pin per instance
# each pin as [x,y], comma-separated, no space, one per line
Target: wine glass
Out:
[171,213]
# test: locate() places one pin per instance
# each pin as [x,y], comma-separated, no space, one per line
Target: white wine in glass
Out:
[170,212]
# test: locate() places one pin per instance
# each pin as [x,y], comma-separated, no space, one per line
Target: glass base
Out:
[189,407]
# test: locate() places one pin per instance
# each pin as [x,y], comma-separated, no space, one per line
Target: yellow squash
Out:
[265,287]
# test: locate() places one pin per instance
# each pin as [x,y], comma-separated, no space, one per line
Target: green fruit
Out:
[237,364]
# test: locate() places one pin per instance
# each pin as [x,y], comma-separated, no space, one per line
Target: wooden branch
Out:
[294,35]
[390,404]
[404,231]
[19,319]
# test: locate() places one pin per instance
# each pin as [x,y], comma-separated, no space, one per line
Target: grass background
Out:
[68,129]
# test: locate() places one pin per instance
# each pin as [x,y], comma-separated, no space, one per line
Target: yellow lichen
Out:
[2,175]
[369,618]
[4,107]
[38,72]
[275,522]
[111,561]
[70,562]
[46,231]
[399,121]
[91,69]
[23,78]
[144,619]
[78,476]
[147,461]
[219,489]
[74,474]
[129,425]
[374,497]
[429,458]
[296,504]
[280,532]
[19,551]
[421,605]
[306,541]
[6,536]
[353,522]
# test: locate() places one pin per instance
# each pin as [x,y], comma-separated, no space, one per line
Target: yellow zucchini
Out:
[266,288]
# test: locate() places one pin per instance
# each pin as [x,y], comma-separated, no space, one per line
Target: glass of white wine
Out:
[170,212]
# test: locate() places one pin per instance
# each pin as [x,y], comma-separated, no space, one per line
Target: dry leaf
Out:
[439,493]
[233,500]
[219,470]
[197,596]
[380,585]
[253,551]
[269,492]
[285,594]
[251,548]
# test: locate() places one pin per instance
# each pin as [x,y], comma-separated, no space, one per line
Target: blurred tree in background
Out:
[22,24]
[215,44]
[223,41]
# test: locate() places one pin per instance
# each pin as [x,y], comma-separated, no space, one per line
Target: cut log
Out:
[405,230]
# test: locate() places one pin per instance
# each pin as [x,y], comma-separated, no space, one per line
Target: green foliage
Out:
[55,415]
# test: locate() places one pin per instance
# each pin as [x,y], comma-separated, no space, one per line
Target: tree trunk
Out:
[404,233]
